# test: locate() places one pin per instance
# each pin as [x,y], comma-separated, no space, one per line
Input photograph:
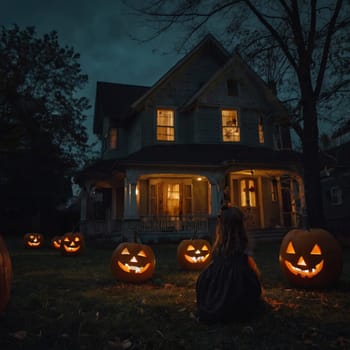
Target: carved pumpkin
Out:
[33,240]
[133,262]
[73,243]
[194,254]
[56,242]
[310,258]
[5,275]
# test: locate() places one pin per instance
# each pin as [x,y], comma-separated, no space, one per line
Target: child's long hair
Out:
[230,236]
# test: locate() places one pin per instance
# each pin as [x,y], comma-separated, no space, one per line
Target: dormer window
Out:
[113,138]
[230,126]
[165,125]
[261,129]
[232,87]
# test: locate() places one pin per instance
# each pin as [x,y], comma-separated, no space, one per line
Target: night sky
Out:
[100,31]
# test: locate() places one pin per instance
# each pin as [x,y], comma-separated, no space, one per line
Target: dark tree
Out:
[300,48]
[42,133]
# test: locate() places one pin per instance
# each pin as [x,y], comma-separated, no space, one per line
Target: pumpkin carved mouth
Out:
[196,259]
[34,244]
[132,268]
[71,249]
[309,273]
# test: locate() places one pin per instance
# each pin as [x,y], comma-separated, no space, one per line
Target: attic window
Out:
[165,125]
[230,126]
[113,138]
[232,87]
[261,129]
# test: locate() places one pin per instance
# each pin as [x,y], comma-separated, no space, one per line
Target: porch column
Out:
[114,202]
[130,206]
[215,198]
[280,201]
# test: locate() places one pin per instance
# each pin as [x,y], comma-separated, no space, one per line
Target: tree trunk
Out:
[311,162]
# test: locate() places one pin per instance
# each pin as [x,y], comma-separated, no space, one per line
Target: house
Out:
[206,132]
[335,181]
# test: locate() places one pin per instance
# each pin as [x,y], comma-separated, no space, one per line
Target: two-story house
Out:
[208,131]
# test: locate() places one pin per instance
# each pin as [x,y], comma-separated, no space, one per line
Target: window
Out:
[232,87]
[261,129]
[113,138]
[335,194]
[230,126]
[165,125]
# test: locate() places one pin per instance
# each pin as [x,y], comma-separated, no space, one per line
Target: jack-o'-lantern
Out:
[33,240]
[5,275]
[194,254]
[133,262]
[73,243]
[310,258]
[56,242]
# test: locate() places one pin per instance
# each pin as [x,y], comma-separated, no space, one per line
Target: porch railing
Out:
[188,223]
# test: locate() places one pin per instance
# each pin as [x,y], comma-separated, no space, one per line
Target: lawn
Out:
[75,303]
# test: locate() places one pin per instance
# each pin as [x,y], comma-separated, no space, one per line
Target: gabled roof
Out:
[114,101]
[208,41]
[234,60]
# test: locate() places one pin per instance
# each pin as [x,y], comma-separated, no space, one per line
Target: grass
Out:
[75,303]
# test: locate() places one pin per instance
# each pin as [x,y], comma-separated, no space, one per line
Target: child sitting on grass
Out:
[229,288]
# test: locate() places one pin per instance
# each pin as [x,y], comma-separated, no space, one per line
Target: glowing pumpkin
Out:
[133,262]
[73,243]
[310,258]
[194,254]
[56,242]
[5,275]
[33,240]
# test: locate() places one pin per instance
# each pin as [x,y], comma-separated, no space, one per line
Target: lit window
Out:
[230,126]
[261,129]
[165,125]
[113,138]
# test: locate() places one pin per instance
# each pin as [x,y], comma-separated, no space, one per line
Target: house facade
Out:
[209,132]
[335,181]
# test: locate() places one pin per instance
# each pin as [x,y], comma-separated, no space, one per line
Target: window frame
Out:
[165,137]
[236,137]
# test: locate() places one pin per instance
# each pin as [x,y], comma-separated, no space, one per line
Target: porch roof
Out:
[209,154]
[200,155]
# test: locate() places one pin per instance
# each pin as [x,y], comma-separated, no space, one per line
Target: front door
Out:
[249,202]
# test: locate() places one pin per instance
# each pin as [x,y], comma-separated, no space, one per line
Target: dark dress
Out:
[228,289]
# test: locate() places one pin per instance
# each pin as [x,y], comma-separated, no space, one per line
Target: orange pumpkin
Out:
[194,254]
[33,240]
[5,275]
[133,262]
[56,242]
[72,244]
[310,258]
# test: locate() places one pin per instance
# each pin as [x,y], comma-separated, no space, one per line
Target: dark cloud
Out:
[101,32]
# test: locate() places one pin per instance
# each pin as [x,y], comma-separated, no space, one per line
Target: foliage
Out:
[300,48]
[39,86]
[42,130]
[76,303]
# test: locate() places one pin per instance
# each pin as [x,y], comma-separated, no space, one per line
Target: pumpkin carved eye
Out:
[141,253]
[125,251]
[316,250]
